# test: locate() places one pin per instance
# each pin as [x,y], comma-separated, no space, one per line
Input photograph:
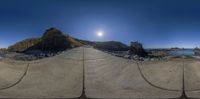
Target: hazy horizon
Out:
[154,23]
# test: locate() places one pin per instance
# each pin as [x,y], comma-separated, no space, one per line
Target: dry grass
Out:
[74,42]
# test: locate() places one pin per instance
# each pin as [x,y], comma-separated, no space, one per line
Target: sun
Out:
[99,34]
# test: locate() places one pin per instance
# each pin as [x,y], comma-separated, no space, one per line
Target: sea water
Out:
[183,52]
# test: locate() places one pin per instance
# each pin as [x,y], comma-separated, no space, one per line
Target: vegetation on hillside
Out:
[25,44]
[73,42]
[53,40]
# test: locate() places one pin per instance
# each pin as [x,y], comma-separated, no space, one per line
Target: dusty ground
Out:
[105,76]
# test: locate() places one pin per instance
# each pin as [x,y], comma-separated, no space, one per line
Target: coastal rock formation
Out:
[53,40]
[51,43]
[24,45]
[136,48]
[196,51]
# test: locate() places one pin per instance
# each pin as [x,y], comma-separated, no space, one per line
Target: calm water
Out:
[183,52]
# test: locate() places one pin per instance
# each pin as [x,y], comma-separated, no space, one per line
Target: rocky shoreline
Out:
[153,55]
[27,57]
[126,55]
[137,52]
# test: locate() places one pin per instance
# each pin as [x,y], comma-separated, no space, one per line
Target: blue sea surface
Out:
[183,52]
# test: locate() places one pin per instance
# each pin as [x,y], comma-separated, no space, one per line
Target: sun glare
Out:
[99,34]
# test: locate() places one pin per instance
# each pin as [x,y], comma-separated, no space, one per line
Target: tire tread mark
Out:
[17,82]
[141,73]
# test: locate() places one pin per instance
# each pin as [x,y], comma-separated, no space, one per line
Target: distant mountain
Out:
[107,45]
[85,42]
[176,48]
[111,46]
[53,40]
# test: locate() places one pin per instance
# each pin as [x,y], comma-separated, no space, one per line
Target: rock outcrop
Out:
[53,40]
[24,45]
[136,48]
[197,51]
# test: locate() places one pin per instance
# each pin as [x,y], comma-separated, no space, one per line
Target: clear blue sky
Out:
[154,23]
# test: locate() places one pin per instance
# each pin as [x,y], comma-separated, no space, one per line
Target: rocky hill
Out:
[23,45]
[53,40]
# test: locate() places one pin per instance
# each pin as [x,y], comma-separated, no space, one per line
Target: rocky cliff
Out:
[52,40]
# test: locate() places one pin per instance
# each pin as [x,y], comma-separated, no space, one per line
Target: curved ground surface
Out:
[166,75]
[120,78]
[10,74]
[56,77]
[104,76]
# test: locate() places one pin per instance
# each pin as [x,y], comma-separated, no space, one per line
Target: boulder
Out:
[136,48]
[197,51]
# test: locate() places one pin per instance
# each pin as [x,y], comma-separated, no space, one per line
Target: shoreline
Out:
[153,55]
